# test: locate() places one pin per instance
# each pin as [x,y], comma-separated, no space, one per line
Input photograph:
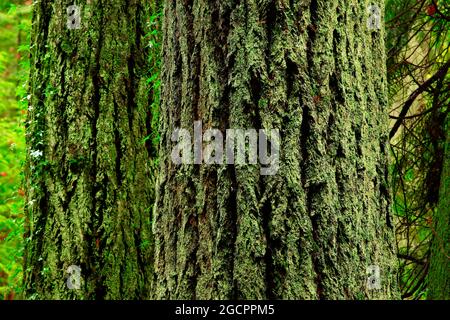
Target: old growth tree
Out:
[88,178]
[315,71]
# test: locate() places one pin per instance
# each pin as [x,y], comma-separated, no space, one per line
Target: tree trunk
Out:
[439,276]
[313,70]
[88,176]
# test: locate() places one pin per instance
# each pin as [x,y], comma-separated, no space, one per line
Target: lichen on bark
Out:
[313,70]
[88,177]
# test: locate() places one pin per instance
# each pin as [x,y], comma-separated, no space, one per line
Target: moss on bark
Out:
[313,70]
[439,273]
[88,176]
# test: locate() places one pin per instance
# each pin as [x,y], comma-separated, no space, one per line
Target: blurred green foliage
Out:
[15,26]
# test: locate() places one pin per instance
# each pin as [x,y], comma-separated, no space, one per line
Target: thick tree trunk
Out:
[313,70]
[439,273]
[88,175]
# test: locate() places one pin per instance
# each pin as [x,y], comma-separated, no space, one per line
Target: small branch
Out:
[440,73]
[410,258]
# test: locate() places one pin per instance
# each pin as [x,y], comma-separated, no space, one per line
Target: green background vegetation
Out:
[15,27]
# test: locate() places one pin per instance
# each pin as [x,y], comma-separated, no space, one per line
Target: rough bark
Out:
[439,273]
[89,194]
[313,70]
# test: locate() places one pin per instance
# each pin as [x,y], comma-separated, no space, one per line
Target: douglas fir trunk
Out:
[314,70]
[439,274]
[88,176]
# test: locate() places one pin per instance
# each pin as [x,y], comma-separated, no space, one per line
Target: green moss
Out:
[92,181]
[310,231]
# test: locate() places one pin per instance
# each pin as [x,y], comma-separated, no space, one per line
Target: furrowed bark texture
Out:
[313,70]
[439,274]
[89,193]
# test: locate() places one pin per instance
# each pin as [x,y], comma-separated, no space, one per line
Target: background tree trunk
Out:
[313,70]
[89,192]
[439,277]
